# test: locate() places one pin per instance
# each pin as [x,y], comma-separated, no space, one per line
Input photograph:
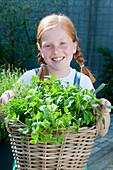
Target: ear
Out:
[74,47]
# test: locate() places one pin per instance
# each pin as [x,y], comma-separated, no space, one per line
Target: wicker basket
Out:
[72,154]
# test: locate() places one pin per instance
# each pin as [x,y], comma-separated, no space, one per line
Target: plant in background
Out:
[17,44]
[7,80]
[47,106]
[18,28]
[107,73]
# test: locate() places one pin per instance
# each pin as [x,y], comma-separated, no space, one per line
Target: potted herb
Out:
[47,112]
[7,79]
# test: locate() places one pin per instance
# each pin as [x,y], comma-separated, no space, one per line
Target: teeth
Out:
[57,59]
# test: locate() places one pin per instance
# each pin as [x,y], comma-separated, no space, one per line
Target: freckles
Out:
[65,48]
[45,55]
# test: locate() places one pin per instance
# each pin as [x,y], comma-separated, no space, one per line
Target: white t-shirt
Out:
[85,81]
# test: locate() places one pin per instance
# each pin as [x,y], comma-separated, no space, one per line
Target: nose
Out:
[56,49]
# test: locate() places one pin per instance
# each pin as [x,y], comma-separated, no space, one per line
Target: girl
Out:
[57,43]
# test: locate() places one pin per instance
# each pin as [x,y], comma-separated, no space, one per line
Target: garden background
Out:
[93,20]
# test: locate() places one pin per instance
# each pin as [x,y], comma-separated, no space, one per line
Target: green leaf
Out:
[79,121]
[58,99]
[20,130]
[42,108]
[33,141]
[87,97]
[66,109]
[28,121]
[69,102]
[86,117]
[109,107]
[35,135]
[26,130]
[62,135]
[57,141]
[100,88]
[76,129]
[97,111]
[14,120]
[53,106]
[46,124]
[103,120]
[49,136]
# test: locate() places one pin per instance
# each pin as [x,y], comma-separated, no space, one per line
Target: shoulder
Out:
[29,73]
[86,82]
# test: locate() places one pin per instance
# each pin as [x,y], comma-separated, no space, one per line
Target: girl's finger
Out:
[105,102]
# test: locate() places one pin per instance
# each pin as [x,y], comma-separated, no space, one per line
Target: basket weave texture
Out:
[72,154]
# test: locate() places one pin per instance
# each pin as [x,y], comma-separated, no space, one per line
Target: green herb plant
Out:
[7,80]
[47,106]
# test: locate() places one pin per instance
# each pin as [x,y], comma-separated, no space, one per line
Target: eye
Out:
[48,45]
[62,43]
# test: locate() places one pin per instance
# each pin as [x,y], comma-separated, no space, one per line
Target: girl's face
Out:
[57,50]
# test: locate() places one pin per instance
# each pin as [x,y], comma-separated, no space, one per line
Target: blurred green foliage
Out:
[107,73]
[18,27]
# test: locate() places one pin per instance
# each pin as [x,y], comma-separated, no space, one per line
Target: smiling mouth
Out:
[58,58]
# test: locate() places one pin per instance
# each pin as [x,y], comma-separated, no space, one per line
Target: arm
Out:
[86,83]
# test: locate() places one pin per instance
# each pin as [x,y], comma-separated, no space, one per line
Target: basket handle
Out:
[8,129]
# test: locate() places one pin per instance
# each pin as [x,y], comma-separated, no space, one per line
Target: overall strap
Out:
[77,78]
[36,70]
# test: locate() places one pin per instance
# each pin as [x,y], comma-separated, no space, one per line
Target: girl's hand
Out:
[105,112]
[1,114]
[105,102]
[5,96]
[4,99]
